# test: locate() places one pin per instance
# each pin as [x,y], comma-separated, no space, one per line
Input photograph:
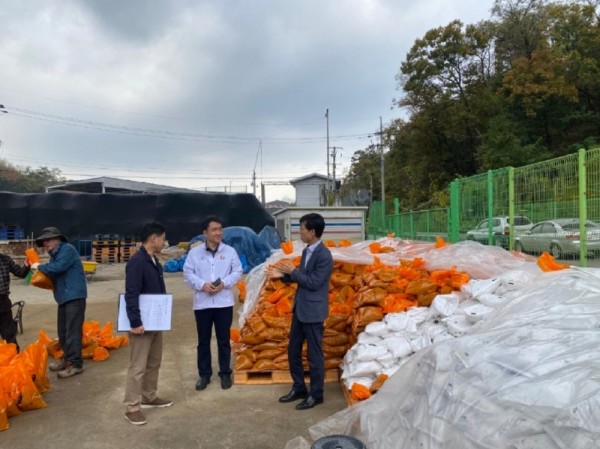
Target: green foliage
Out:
[517,89]
[365,171]
[27,180]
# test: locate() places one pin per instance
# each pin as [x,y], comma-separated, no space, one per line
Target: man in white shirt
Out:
[211,270]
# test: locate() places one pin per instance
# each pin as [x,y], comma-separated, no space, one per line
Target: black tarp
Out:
[81,216]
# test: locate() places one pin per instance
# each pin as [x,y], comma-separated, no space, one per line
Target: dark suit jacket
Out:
[142,275]
[311,304]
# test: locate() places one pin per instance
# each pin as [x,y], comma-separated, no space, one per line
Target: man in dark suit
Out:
[311,307]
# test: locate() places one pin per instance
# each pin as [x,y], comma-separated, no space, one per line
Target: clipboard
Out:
[155,311]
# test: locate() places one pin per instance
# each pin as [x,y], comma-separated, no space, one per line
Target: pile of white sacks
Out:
[512,361]
[386,345]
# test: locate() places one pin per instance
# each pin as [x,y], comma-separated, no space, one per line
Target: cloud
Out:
[184,92]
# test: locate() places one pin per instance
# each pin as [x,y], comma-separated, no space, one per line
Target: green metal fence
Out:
[496,207]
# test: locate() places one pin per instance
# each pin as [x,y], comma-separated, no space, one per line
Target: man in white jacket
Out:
[211,270]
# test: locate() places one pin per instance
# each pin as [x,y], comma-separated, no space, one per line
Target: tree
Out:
[27,180]
[365,171]
[517,89]
[503,146]
[521,30]
[448,80]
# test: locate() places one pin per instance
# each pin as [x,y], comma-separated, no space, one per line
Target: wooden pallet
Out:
[277,377]
[106,258]
[347,395]
[105,244]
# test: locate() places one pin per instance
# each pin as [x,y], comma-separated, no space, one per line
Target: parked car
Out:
[500,229]
[559,237]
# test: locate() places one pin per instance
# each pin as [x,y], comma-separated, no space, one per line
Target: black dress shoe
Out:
[226,382]
[309,402]
[202,383]
[293,396]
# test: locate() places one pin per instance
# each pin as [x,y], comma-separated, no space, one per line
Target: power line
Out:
[177,118]
[137,169]
[166,134]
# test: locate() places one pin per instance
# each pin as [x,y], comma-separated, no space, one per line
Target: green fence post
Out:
[396,217]
[511,208]
[454,223]
[490,191]
[581,159]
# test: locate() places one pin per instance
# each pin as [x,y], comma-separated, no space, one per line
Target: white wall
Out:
[309,193]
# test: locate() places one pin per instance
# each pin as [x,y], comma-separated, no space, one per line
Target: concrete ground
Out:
[87,411]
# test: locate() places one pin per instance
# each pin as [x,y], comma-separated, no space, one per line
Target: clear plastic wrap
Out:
[480,261]
[528,376]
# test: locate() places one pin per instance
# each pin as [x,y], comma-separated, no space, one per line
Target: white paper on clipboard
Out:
[155,311]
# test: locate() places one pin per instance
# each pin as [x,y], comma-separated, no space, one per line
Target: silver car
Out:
[500,229]
[559,237]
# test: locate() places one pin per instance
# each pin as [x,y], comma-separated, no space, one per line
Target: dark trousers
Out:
[69,323]
[313,334]
[221,318]
[8,326]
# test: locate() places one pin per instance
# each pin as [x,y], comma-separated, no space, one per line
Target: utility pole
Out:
[382,172]
[254,171]
[327,184]
[333,155]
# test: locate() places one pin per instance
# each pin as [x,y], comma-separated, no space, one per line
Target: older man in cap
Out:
[70,292]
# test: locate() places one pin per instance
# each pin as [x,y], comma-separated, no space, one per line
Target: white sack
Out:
[368,352]
[444,305]
[398,346]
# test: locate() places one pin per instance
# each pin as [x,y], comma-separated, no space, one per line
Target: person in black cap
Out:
[70,292]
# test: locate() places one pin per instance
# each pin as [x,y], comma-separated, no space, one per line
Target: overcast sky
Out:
[200,94]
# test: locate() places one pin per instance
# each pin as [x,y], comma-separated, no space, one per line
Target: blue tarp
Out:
[173,265]
[251,250]
[270,237]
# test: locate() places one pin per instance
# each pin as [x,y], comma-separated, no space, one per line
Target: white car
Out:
[500,229]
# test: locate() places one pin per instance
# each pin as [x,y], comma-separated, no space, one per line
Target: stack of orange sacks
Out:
[358,295]
[96,342]
[23,379]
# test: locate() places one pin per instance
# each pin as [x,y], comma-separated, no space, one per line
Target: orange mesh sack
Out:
[30,399]
[100,354]
[88,351]
[6,399]
[8,351]
[547,263]
[359,392]
[41,280]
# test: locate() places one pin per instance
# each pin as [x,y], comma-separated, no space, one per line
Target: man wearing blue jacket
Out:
[211,270]
[70,292]
[144,275]
[311,308]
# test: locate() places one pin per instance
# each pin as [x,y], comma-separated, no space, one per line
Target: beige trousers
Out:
[142,376]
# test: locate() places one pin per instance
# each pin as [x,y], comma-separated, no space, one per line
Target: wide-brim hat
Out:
[49,233]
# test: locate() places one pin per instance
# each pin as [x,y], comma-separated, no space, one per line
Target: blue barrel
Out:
[338,442]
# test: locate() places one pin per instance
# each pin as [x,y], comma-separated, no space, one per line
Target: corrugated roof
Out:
[303,178]
[108,184]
